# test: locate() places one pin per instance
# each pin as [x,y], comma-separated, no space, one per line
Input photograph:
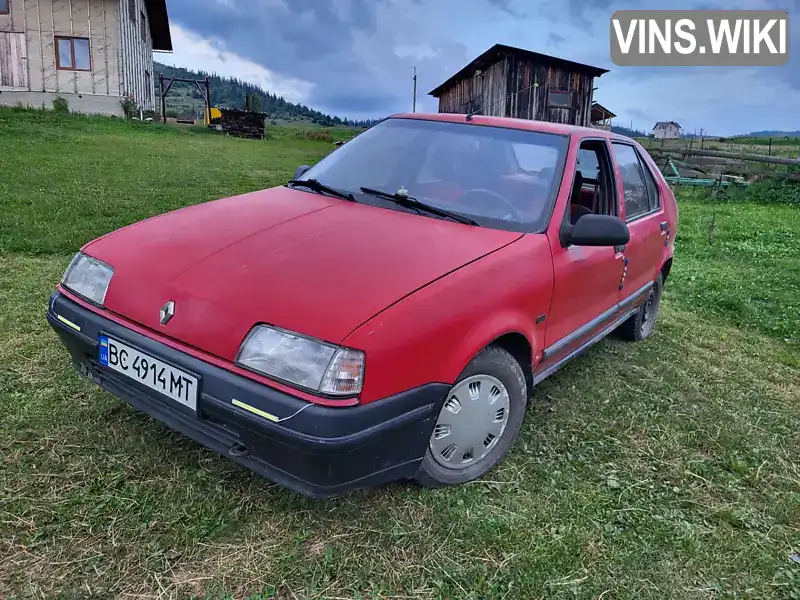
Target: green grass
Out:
[666,469]
[74,178]
[740,263]
[785,147]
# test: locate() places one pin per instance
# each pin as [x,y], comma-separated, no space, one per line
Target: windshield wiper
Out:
[316,186]
[411,202]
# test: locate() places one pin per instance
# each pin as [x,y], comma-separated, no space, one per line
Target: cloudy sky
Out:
[355,58]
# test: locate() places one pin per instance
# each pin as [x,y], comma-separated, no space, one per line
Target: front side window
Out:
[4,7]
[72,54]
[633,181]
[502,178]
[592,188]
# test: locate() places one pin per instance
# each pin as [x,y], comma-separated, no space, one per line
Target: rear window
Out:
[502,178]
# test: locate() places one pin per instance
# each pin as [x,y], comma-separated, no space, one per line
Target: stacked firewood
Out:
[240,123]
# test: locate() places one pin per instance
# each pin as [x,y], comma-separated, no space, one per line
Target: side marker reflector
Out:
[68,323]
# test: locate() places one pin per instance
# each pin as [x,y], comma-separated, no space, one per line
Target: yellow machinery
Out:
[215,114]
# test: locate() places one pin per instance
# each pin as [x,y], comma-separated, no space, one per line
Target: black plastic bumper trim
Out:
[321,451]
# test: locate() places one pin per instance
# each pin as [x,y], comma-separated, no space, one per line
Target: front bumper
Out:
[320,452]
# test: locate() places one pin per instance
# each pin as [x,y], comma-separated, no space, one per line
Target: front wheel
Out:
[640,325]
[479,420]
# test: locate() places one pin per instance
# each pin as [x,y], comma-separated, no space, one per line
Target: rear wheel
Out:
[478,422]
[641,324]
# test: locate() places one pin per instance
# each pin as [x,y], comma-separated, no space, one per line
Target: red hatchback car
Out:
[386,314]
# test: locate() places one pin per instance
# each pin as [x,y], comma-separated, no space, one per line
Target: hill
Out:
[229,92]
[791,134]
[633,133]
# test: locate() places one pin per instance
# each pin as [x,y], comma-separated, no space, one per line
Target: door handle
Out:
[664,226]
[619,249]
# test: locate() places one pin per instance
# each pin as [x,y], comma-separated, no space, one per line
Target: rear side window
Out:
[653,197]
[635,184]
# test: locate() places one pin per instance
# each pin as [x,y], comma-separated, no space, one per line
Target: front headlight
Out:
[88,277]
[304,362]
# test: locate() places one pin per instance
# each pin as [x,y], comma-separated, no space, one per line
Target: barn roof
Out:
[159,25]
[499,50]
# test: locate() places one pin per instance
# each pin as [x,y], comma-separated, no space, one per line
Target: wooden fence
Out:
[699,166]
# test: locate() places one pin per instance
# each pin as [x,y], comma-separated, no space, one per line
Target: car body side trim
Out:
[636,296]
[587,328]
[580,332]
[580,349]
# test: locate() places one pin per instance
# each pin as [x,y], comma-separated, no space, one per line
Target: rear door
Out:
[645,216]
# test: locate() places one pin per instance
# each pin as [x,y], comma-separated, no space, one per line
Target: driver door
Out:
[587,279]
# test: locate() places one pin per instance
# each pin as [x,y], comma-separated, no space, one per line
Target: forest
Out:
[229,92]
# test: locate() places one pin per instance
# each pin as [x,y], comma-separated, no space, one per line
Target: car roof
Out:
[509,123]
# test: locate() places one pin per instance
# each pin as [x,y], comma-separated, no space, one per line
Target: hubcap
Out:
[471,422]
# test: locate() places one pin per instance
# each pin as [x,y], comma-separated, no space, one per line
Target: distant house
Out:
[90,52]
[511,82]
[668,130]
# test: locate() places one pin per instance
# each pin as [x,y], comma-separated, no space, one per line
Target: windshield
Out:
[502,178]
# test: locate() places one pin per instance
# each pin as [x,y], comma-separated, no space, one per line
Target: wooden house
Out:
[511,82]
[601,117]
[92,53]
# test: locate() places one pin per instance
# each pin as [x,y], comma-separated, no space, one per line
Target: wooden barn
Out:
[511,82]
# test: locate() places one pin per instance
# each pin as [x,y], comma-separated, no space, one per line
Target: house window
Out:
[4,8]
[132,10]
[148,86]
[143,22]
[72,54]
[559,99]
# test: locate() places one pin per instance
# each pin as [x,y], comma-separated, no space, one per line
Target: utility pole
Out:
[414,105]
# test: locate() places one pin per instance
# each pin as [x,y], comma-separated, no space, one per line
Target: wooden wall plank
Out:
[507,90]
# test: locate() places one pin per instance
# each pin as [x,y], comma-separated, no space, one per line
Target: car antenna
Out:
[476,112]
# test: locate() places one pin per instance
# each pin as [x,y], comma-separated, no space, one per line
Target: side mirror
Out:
[596,230]
[300,171]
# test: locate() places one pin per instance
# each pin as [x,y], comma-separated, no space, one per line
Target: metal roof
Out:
[499,50]
[601,110]
[510,123]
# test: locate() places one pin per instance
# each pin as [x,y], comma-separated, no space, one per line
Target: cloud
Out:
[641,115]
[355,58]
[554,40]
[194,52]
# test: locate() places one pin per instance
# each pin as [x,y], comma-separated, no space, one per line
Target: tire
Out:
[641,324]
[478,383]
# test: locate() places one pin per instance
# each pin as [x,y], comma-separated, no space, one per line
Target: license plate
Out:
[149,371]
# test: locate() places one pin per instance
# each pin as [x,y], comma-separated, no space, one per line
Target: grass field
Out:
[663,470]
[785,147]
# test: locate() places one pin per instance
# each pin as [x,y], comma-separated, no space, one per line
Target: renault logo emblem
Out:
[167,312]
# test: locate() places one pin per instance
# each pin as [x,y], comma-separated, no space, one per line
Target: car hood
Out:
[315,265]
